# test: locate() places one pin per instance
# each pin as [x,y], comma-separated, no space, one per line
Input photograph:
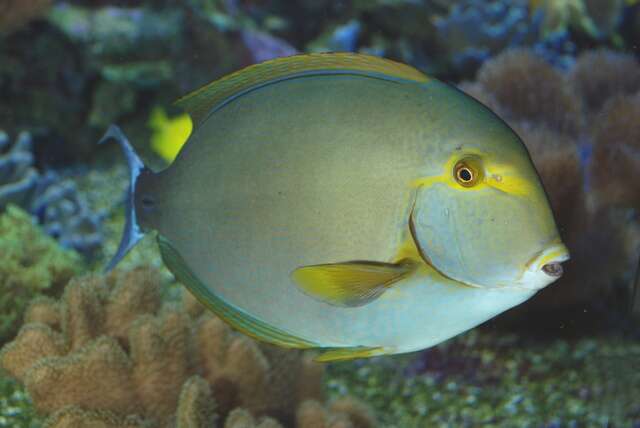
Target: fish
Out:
[346,203]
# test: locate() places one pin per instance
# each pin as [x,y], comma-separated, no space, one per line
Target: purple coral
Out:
[54,201]
[65,215]
[18,178]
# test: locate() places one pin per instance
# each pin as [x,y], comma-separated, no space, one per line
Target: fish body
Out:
[322,201]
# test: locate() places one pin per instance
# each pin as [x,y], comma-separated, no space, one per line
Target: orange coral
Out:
[110,354]
[16,13]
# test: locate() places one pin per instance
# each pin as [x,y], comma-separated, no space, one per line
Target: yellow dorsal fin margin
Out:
[201,101]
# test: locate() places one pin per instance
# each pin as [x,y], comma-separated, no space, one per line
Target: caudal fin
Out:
[132,233]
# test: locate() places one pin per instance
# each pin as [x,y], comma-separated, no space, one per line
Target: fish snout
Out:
[553,269]
[545,267]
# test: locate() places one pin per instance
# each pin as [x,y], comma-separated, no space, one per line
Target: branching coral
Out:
[528,88]
[596,18]
[560,117]
[17,173]
[30,263]
[615,167]
[65,214]
[110,353]
[473,31]
[55,201]
[602,74]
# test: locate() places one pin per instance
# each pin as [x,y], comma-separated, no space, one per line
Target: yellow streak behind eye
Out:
[498,176]
[511,184]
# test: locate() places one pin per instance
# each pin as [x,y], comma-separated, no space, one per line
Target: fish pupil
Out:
[465,175]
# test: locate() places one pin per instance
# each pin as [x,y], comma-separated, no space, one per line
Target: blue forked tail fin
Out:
[132,233]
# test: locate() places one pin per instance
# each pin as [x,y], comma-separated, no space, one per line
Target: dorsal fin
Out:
[200,102]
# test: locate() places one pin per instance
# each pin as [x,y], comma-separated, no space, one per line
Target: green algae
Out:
[31,263]
[484,379]
[16,409]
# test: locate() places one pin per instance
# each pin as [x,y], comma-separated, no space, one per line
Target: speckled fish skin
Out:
[332,168]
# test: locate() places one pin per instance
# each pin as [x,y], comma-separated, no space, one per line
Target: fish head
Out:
[481,215]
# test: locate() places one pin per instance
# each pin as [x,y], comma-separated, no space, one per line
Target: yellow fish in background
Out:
[169,134]
[348,203]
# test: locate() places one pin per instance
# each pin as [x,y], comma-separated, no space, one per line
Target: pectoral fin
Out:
[350,284]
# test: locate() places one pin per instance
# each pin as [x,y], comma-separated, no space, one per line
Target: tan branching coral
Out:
[16,13]
[74,417]
[343,413]
[110,354]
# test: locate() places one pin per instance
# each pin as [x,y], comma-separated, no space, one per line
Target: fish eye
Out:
[148,203]
[466,173]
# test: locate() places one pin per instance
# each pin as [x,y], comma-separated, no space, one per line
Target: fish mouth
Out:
[550,261]
[553,269]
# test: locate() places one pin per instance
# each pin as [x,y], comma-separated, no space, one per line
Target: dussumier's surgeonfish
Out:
[348,203]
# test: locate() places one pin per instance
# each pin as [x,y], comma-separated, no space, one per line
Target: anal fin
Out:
[344,354]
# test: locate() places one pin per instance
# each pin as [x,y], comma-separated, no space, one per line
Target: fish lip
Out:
[550,260]
[553,269]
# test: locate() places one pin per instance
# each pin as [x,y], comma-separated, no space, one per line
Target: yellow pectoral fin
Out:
[350,284]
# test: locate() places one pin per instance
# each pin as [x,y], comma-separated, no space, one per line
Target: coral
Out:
[474,31]
[240,418]
[65,214]
[30,263]
[54,201]
[196,407]
[615,167]
[18,177]
[111,353]
[528,88]
[596,18]
[14,14]
[601,74]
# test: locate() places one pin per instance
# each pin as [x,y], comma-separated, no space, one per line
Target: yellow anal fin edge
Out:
[350,284]
[345,354]
[235,317]
[202,101]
